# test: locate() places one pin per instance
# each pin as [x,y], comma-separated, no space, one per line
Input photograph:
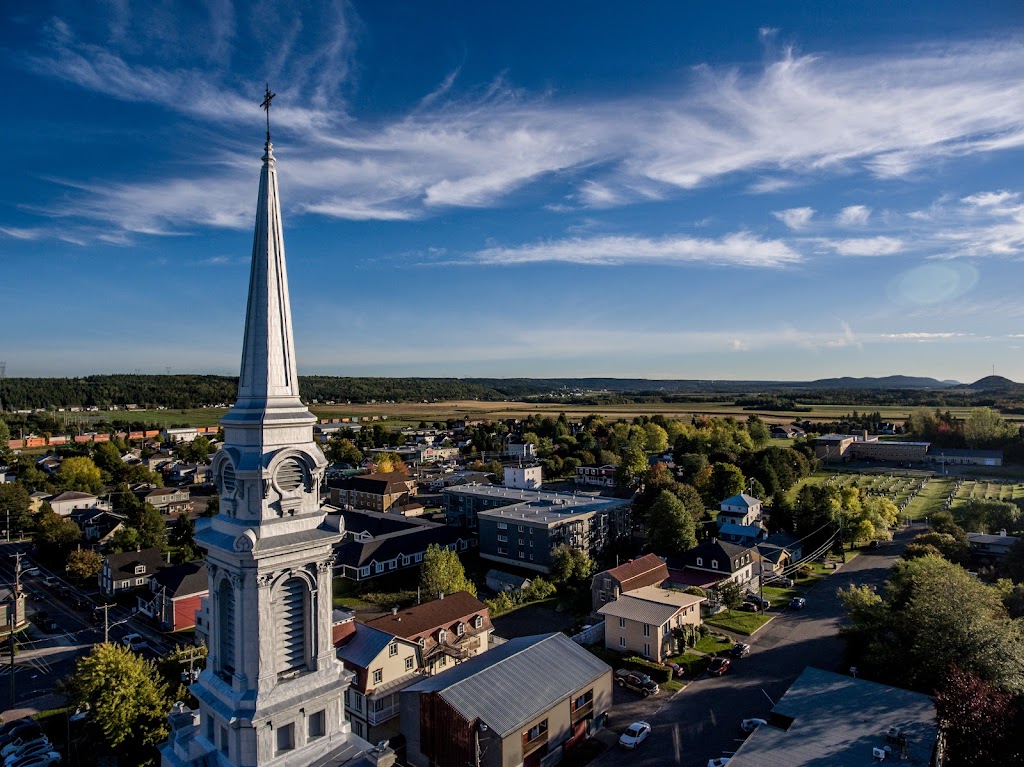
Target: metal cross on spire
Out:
[267,97]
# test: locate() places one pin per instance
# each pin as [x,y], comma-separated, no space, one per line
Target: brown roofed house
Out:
[450,629]
[375,492]
[648,570]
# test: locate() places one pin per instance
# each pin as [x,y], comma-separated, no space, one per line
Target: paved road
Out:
[702,721]
[45,659]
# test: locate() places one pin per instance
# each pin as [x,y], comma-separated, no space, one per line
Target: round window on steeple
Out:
[227,479]
[289,475]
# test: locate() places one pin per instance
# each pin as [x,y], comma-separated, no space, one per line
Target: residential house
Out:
[128,570]
[600,476]
[523,451]
[376,544]
[789,542]
[66,502]
[719,561]
[168,500]
[842,721]
[49,464]
[97,525]
[740,509]
[606,586]
[448,630]
[987,550]
[524,477]
[469,715]
[384,665]
[180,434]
[773,559]
[642,621]
[745,535]
[175,595]
[373,492]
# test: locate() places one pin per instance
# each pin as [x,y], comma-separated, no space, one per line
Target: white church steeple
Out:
[272,692]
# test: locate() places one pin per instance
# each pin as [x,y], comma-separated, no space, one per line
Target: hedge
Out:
[655,671]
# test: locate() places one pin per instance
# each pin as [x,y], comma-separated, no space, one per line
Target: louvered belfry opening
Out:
[290,475]
[292,622]
[226,619]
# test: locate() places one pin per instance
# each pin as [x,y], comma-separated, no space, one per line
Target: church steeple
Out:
[272,692]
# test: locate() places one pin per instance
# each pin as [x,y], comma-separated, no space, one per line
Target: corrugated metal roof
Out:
[541,669]
[642,610]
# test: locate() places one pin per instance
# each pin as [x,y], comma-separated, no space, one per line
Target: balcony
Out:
[582,711]
[378,716]
[530,746]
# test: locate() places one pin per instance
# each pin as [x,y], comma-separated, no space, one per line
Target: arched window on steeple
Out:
[293,626]
[226,627]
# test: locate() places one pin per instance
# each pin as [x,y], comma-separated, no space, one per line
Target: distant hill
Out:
[993,383]
[884,382]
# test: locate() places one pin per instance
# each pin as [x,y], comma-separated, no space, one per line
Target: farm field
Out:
[406,413]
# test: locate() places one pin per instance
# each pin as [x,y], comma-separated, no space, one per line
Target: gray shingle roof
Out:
[541,669]
[653,605]
[365,645]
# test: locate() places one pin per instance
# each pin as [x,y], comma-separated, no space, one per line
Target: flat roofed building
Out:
[839,721]
[524,527]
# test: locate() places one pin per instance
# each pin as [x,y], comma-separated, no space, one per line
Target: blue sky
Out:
[742,190]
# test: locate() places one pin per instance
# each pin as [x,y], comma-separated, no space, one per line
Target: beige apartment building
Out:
[641,622]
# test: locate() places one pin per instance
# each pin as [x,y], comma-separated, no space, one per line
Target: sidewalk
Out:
[33,707]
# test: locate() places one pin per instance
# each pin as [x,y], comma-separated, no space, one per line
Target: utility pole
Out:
[191,661]
[10,639]
[106,622]
[17,571]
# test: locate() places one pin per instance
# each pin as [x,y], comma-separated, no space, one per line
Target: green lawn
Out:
[779,596]
[693,664]
[710,644]
[738,622]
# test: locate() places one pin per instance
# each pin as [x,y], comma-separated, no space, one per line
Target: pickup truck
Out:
[634,680]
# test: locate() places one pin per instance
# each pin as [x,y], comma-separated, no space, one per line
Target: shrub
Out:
[655,671]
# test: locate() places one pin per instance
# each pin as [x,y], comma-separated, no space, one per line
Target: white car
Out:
[135,642]
[749,725]
[634,735]
[720,761]
[21,745]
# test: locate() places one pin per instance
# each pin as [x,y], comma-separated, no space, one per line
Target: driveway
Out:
[702,721]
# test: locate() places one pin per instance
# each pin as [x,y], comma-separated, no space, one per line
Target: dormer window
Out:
[478,622]
[714,564]
[423,641]
[700,561]
[460,628]
[442,636]
[140,569]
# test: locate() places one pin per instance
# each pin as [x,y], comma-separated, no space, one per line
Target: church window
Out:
[226,626]
[318,724]
[285,738]
[290,475]
[292,619]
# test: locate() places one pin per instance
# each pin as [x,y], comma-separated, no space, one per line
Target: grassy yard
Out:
[738,622]
[778,596]
[711,644]
[692,663]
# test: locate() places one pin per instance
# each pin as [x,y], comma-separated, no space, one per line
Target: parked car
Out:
[634,735]
[739,650]
[719,665]
[749,725]
[21,733]
[6,727]
[798,603]
[34,748]
[634,680]
[31,738]
[757,599]
[50,580]
[748,607]
[39,760]
[780,580]
[677,670]
[720,761]
[135,642]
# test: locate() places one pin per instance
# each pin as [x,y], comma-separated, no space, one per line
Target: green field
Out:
[918,493]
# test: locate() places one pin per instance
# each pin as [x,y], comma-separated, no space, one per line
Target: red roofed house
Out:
[648,570]
[455,627]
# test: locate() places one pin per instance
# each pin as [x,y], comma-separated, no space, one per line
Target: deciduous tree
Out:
[127,699]
[81,474]
[84,564]
[670,527]
[570,566]
[55,535]
[442,573]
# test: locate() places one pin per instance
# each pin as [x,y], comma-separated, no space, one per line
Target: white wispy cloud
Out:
[795,218]
[923,336]
[866,246]
[800,116]
[738,249]
[854,215]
